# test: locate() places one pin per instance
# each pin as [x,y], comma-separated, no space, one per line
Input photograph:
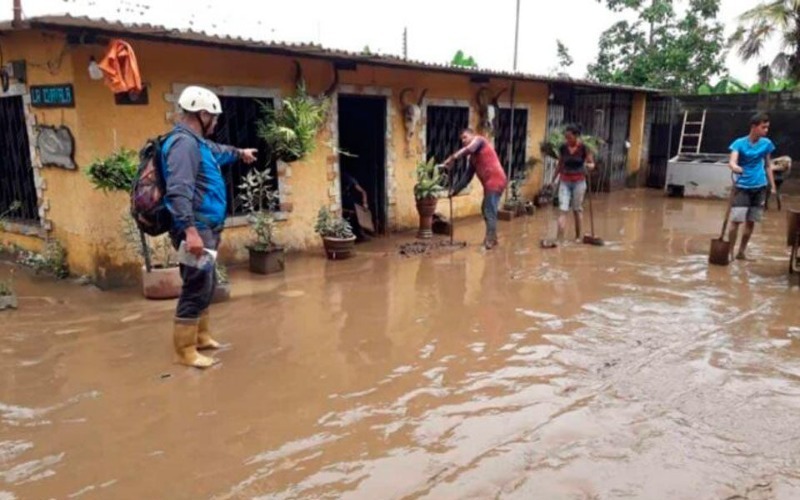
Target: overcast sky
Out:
[436,28]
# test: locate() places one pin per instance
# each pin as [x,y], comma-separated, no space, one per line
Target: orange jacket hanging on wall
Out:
[120,68]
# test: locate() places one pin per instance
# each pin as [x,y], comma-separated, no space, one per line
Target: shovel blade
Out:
[720,253]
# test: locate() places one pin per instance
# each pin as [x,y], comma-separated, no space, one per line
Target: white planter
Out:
[161,283]
[8,302]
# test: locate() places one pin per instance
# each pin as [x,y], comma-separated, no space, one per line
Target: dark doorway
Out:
[362,145]
[17,186]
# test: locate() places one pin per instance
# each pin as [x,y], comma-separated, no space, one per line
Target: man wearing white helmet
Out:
[196,198]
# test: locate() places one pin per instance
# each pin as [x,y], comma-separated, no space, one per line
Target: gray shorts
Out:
[570,195]
[748,205]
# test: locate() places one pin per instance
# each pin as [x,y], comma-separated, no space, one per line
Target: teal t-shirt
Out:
[752,157]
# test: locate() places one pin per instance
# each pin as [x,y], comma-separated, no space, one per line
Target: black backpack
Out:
[148,207]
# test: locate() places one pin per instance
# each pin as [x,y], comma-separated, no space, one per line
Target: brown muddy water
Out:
[628,371]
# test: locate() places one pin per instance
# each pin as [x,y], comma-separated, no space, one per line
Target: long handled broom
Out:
[591,239]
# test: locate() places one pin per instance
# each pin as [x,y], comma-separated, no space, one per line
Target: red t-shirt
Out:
[484,160]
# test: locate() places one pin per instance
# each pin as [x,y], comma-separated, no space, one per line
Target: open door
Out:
[362,145]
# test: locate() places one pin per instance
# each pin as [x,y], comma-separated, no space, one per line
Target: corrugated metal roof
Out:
[154,31]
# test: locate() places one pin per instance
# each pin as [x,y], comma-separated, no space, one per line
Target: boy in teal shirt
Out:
[750,160]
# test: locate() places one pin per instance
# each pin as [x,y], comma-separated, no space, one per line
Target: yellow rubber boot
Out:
[185,340]
[204,340]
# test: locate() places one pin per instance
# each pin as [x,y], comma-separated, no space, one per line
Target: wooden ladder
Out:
[692,133]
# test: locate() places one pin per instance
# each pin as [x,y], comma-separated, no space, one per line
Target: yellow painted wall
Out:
[89,223]
[638,114]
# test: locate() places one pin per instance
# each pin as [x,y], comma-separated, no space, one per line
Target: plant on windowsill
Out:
[337,235]
[427,190]
[266,257]
[291,129]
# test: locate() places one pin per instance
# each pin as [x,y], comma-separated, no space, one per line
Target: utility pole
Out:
[513,92]
[17,19]
[405,42]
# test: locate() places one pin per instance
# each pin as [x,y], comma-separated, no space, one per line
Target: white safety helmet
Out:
[195,99]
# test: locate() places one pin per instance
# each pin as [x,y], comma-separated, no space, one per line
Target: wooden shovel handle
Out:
[730,207]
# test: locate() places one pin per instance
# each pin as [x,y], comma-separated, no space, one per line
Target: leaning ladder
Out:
[693,131]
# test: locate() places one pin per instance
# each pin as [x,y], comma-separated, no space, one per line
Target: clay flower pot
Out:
[269,261]
[426,207]
[339,248]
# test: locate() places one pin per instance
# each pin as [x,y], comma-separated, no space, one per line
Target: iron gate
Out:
[520,139]
[16,172]
[607,117]
[238,126]
[658,138]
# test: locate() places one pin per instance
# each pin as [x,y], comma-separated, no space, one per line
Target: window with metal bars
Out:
[238,127]
[443,129]
[442,134]
[17,184]
[520,139]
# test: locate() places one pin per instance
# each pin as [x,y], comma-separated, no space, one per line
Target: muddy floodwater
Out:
[628,371]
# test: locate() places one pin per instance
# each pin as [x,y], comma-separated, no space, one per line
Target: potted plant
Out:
[337,235]
[291,129]
[160,273]
[222,291]
[516,205]
[8,299]
[116,172]
[266,257]
[427,191]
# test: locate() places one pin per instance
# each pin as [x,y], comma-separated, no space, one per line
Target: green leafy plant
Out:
[291,130]
[52,260]
[519,178]
[260,201]
[551,146]
[429,180]
[116,172]
[767,21]
[459,59]
[331,226]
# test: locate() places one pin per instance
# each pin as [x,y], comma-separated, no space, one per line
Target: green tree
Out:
[661,49]
[763,22]
[460,60]
[564,58]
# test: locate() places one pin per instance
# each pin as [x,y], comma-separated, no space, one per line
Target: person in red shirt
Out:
[574,160]
[484,163]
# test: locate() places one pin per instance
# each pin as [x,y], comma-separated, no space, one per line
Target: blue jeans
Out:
[198,285]
[491,202]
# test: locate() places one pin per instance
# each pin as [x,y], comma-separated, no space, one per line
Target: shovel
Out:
[720,252]
[545,243]
[591,239]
